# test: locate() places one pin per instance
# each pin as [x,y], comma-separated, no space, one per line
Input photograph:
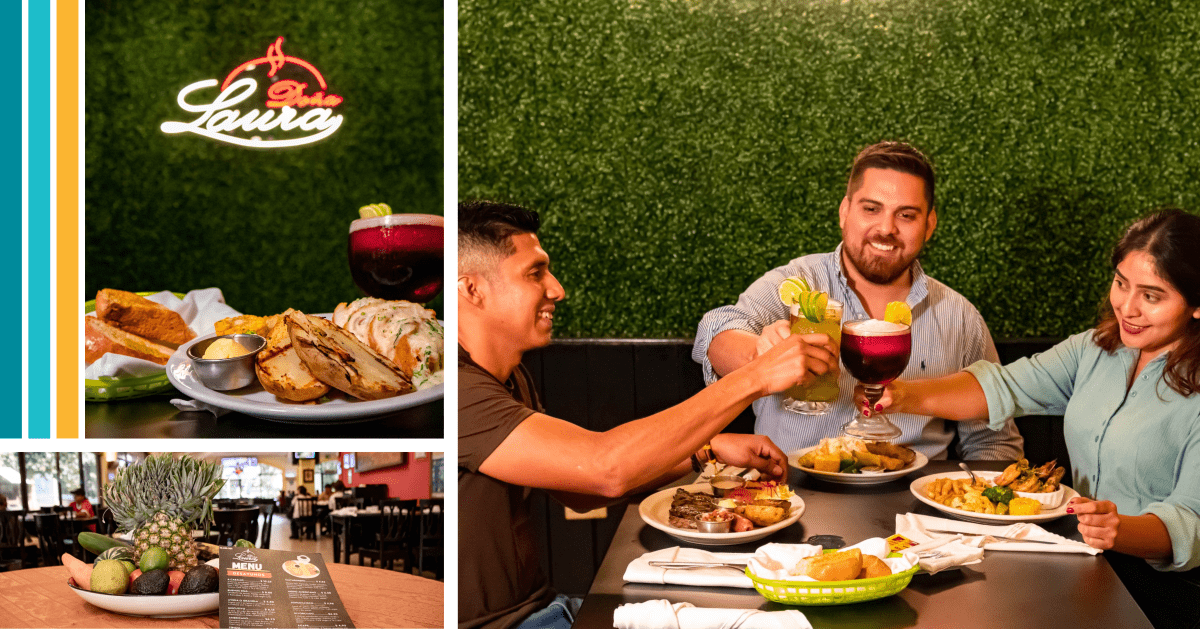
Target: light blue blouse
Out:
[1137,445]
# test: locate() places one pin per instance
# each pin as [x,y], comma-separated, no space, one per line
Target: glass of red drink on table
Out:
[398,256]
[875,352]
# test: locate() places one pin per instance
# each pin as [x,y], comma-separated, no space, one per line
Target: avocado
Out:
[153,582]
[198,580]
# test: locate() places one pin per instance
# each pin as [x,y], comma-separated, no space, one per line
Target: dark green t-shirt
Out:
[500,581]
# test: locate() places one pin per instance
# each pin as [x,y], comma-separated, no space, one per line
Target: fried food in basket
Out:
[843,565]
[873,566]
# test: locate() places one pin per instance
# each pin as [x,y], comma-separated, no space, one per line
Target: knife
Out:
[697,564]
[999,537]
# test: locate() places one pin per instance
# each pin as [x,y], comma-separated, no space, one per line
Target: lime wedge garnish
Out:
[818,303]
[898,312]
[373,210]
[791,289]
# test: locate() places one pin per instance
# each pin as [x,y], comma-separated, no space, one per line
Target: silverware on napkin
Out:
[999,537]
[698,564]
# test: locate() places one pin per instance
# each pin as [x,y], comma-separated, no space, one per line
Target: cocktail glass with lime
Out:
[812,312]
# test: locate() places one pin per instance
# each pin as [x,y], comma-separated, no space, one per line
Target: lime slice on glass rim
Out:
[373,210]
[817,302]
[791,289]
[898,312]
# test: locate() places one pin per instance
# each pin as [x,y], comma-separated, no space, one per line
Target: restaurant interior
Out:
[379,509]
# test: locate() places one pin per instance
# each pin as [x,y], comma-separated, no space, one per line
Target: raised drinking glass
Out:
[875,352]
[816,397]
[398,256]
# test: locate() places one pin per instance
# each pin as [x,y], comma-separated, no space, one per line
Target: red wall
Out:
[406,482]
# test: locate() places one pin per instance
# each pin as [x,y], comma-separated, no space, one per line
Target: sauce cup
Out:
[227,374]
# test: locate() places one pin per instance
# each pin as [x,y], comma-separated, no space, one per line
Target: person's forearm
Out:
[587,502]
[958,396]
[1143,536]
[731,349]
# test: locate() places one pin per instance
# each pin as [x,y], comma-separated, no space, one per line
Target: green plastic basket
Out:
[832,592]
[108,389]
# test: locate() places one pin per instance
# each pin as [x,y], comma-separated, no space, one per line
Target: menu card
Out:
[278,588]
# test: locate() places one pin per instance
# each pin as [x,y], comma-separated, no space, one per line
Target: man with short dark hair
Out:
[508,446]
[886,217]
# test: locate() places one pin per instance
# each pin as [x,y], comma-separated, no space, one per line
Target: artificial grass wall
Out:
[679,149]
[269,228]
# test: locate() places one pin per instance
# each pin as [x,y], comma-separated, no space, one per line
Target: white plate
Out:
[865,478]
[656,509]
[918,489]
[257,402]
[165,606]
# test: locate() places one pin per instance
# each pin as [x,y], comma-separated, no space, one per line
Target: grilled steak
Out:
[687,506]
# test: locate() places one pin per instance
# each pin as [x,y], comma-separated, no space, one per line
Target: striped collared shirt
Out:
[948,334]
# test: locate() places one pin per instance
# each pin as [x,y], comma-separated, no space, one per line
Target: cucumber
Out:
[116,552]
[98,543]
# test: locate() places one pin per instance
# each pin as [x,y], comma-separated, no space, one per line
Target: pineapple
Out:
[160,500]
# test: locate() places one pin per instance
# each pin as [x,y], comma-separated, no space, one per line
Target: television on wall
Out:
[303,456]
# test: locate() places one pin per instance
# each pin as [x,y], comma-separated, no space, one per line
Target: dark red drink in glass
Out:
[875,359]
[398,256]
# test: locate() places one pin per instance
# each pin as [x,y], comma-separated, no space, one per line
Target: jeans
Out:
[559,614]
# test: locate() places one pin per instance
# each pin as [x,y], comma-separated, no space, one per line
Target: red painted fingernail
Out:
[879,407]
[867,413]
[1070,510]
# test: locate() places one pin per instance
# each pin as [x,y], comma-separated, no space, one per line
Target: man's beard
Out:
[876,270]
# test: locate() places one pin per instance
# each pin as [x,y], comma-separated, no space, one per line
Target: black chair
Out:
[12,541]
[304,517]
[267,510]
[235,524]
[431,539]
[393,539]
[51,534]
[106,524]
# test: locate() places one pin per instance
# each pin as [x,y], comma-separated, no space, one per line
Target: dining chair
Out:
[12,540]
[392,540]
[304,516]
[431,541]
[235,524]
[51,538]
[267,510]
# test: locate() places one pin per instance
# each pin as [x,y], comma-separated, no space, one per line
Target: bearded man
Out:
[886,218]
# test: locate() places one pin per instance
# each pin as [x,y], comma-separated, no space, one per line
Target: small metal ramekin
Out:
[227,374]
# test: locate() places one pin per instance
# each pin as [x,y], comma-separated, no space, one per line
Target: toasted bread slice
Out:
[243,324]
[281,371]
[343,362]
[137,315]
[101,338]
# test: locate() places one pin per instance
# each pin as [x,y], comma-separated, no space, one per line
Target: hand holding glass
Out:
[875,352]
[816,397]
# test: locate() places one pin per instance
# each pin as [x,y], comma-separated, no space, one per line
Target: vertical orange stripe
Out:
[67,289]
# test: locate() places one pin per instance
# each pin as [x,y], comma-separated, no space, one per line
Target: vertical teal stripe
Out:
[40,377]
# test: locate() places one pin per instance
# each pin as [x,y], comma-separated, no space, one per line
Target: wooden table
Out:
[39,597]
[154,417]
[1008,589]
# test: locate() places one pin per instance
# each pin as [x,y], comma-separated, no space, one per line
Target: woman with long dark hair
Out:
[1128,393]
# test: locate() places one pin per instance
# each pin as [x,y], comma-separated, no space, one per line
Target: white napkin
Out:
[661,614]
[351,511]
[196,405]
[200,309]
[971,535]
[640,570]
[774,561]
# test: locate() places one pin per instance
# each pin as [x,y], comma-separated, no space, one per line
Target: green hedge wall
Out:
[679,149]
[268,227]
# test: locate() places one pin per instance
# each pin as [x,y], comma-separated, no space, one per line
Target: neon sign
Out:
[292,117]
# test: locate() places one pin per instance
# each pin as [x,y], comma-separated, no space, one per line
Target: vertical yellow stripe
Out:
[67,288]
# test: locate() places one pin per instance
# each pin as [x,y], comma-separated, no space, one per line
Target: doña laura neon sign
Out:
[303,117]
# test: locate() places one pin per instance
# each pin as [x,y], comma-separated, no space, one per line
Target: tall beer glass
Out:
[818,396]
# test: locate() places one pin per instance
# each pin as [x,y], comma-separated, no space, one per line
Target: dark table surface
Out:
[154,417]
[1008,589]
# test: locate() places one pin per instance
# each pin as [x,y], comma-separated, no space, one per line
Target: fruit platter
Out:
[161,572]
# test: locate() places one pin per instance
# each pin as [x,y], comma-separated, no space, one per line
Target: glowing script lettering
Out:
[281,121]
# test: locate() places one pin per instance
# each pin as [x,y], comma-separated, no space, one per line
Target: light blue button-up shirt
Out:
[1134,443]
[947,335]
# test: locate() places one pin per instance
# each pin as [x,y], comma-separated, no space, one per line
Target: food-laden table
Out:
[1008,589]
[154,417]
[39,597]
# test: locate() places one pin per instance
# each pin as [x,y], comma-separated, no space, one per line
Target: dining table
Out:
[40,597]
[1007,589]
[154,417]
